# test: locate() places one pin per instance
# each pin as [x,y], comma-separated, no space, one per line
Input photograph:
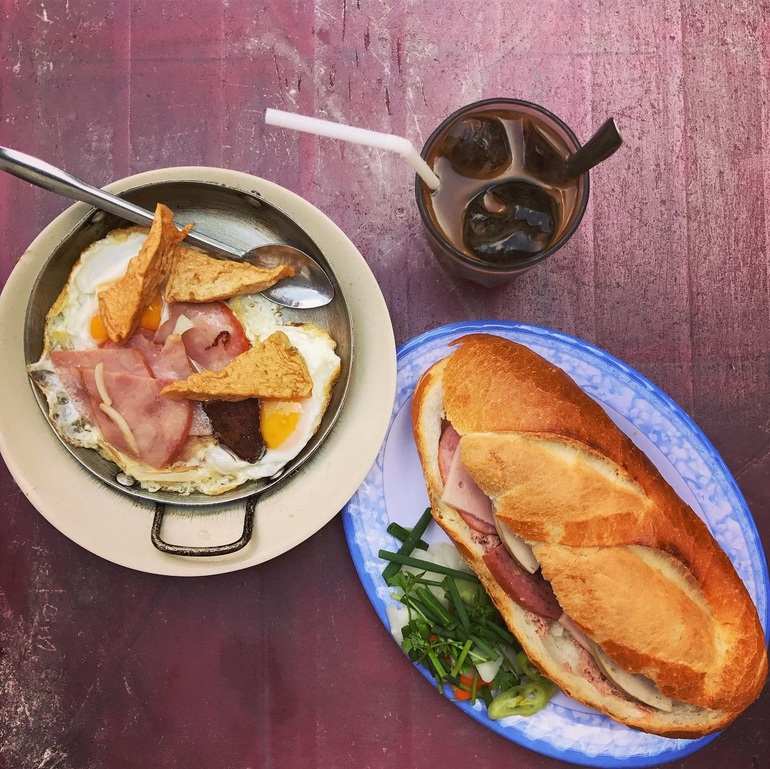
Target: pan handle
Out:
[188,550]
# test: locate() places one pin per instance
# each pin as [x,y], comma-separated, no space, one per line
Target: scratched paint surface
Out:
[104,667]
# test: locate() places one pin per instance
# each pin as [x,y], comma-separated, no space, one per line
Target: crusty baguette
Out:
[631,564]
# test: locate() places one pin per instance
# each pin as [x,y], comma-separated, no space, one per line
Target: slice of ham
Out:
[134,374]
[115,359]
[462,493]
[173,360]
[167,361]
[216,336]
[69,363]
[159,425]
[530,591]
[447,445]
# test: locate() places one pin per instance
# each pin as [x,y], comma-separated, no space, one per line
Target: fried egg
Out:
[68,325]
[203,465]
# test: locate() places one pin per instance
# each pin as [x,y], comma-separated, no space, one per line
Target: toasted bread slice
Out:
[122,304]
[272,369]
[196,277]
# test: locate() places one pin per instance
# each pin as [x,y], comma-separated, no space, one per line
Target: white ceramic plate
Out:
[116,527]
[394,490]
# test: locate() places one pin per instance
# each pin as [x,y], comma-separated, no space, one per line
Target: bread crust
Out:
[611,535]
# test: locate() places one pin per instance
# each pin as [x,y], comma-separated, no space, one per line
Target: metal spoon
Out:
[310,287]
[598,148]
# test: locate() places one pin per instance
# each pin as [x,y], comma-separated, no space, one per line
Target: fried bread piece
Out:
[122,304]
[272,369]
[196,277]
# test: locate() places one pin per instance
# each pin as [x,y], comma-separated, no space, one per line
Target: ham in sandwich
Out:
[615,588]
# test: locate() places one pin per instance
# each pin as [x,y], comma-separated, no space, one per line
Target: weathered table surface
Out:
[285,663]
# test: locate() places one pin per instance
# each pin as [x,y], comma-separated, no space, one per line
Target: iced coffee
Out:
[503,204]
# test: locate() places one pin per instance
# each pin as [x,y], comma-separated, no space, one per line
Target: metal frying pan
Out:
[244,220]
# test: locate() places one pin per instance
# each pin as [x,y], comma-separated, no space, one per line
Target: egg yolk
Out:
[150,321]
[277,421]
[97,329]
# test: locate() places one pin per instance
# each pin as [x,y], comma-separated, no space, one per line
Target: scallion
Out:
[402,534]
[415,535]
[402,560]
[454,594]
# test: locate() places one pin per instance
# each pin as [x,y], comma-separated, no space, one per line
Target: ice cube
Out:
[542,159]
[477,147]
[519,223]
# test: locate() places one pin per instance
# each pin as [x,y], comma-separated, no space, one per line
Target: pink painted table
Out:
[286,664]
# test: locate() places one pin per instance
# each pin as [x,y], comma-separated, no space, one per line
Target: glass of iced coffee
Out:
[503,204]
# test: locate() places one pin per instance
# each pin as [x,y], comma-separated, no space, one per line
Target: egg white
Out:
[208,468]
[102,263]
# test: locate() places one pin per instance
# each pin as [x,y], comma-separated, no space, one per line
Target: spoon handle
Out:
[598,148]
[53,179]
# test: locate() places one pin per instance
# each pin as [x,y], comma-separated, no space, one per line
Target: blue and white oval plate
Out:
[394,491]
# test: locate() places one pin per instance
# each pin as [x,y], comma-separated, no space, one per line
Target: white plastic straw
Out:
[348,133]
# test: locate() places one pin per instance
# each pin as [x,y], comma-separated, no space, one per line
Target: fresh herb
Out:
[453,628]
[399,560]
[409,543]
[402,534]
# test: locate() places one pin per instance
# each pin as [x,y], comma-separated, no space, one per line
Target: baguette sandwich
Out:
[614,587]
